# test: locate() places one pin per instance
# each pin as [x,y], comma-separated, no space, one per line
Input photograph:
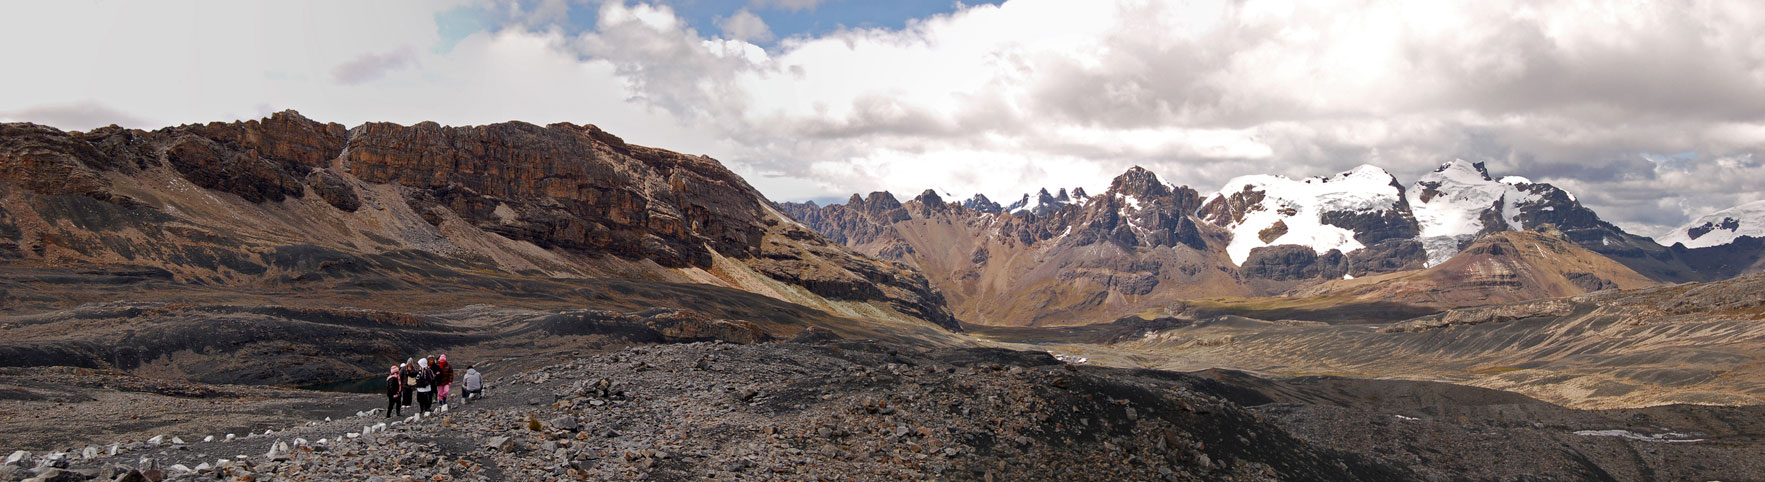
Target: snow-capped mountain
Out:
[1721,227]
[1459,202]
[1344,212]
[1065,257]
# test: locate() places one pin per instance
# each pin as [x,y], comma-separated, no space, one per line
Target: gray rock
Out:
[502,444]
[18,458]
[564,423]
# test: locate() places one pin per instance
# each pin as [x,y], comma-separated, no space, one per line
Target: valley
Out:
[1331,328]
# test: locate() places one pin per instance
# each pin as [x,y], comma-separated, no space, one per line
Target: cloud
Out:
[792,5]
[1000,99]
[83,115]
[745,26]
[1209,90]
[372,66]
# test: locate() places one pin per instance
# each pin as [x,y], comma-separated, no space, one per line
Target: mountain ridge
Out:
[287,201]
[1275,234]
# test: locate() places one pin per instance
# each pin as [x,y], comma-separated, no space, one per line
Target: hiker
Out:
[425,385]
[444,377]
[394,392]
[474,384]
[409,373]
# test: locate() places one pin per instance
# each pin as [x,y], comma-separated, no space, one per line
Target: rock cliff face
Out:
[263,201]
[567,186]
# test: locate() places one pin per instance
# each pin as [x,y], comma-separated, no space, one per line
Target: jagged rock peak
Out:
[1062,197]
[1079,193]
[1139,182]
[980,203]
[881,200]
[930,198]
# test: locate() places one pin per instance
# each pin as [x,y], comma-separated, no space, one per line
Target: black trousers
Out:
[425,399]
[392,406]
[405,399]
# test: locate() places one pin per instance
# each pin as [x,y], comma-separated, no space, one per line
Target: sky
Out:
[1650,112]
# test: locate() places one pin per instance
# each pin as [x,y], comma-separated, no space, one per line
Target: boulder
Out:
[566,422]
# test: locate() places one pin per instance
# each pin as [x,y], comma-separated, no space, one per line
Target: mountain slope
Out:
[1504,267]
[290,202]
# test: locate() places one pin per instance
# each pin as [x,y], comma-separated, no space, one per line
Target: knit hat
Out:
[443,358]
[395,369]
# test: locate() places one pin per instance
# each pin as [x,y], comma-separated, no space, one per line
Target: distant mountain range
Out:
[288,203]
[1146,244]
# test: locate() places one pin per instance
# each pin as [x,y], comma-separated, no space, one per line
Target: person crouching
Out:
[474,384]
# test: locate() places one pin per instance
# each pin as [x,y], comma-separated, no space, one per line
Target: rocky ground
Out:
[834,409]
[788,411]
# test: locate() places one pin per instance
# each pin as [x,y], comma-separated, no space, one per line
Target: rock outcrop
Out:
[516,198]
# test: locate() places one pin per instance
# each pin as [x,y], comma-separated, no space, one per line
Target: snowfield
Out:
[1300,203]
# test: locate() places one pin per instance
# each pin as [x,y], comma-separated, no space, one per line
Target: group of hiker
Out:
[423,380]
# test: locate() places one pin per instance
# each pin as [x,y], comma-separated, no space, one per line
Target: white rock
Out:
[177,441]
[156,440]
[380,427]
[269,432]
[114,448]
[18,457]
[180,468]
[202,467]
[352,435]
[299,441]
[208,439]
[327,419]
[323,441]
[229,437]
[91,452]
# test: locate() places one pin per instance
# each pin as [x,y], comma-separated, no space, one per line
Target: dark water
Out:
[365,385]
